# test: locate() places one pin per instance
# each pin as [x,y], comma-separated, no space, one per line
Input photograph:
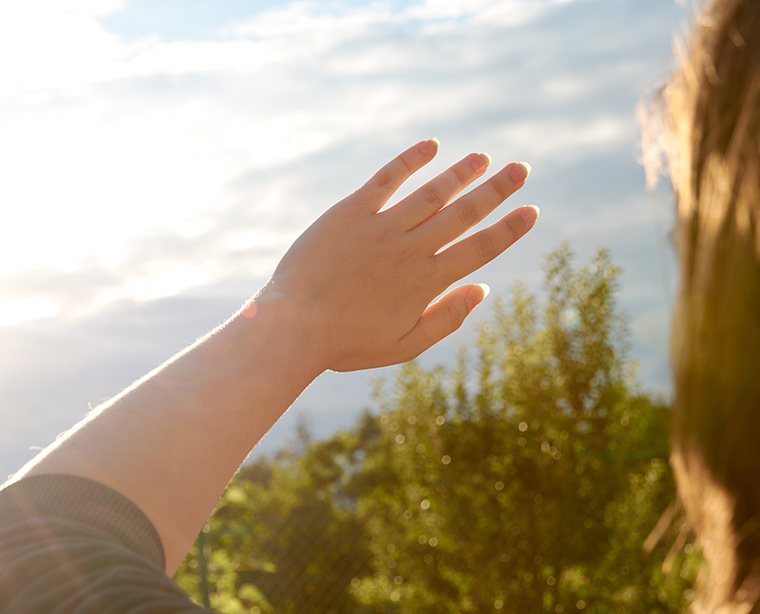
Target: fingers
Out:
[471,208]
[382,185]
[434,195]
[471,253]
[442,318]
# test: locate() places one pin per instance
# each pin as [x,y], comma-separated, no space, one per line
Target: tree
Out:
[531,477]
[285,537]
[530,482]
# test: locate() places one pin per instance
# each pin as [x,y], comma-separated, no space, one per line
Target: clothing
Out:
[69,545]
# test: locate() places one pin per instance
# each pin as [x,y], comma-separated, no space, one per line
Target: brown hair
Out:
[711,119]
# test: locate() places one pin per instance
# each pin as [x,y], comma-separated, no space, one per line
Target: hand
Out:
[361,280]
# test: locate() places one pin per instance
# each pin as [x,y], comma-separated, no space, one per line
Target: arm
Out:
[353,292]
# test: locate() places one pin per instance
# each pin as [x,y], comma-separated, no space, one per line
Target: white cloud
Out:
[556,137]
[13,311]
[87,7]
[309,18]
[503,12]
[564,87]
[47,44]
[91,154]
[100,137]
[75,181]
[252,239]
[161,284]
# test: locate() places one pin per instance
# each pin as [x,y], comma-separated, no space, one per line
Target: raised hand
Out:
[361,279]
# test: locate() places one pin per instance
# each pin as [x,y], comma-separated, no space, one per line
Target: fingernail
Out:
[530,213]
[429,147]
[481,162]
[519,172]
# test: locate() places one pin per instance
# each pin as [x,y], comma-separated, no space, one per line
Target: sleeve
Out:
[69,545]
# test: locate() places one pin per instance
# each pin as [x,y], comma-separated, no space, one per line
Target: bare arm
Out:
[353,292]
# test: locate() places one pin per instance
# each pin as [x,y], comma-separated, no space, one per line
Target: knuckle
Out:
[500,188]
[455,317]
[468,214]
[409,168]
[460,178]
[384,180]
[512,230]
[407,254]
[434,198]
[485,246]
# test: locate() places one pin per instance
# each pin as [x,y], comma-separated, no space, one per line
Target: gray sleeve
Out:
[75,546]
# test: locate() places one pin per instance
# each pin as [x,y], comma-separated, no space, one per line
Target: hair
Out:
[709,114]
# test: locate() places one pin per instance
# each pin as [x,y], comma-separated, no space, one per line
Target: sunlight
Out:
[250,310]
[15,310]
[161,284]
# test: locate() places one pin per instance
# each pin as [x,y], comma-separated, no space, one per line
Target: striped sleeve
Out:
[69,545]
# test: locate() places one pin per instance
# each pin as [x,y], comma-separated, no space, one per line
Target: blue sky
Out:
[159,157]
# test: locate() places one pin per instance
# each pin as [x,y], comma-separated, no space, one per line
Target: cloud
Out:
[133,169]
[557,137]
[92,8]
[315,22]
[310,20]
[53,370]
[504,13]
[54,44]
[157,130]
[226,132]
[13,310]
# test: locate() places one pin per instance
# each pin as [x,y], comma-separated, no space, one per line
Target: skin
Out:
[355,291]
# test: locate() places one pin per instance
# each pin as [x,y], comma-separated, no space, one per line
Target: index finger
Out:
[384,183]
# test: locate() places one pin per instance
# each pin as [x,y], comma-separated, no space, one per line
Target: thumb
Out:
[444,317]
[475,295]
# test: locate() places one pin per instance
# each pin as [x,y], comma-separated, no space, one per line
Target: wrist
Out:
[274,329]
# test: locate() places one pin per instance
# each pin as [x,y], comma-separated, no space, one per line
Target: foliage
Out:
[285,535]
[533,478]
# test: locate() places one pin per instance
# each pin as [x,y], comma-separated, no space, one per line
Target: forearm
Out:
[172,441]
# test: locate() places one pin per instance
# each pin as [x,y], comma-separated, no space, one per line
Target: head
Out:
[711,115]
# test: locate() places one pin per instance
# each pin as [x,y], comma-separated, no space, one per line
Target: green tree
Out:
[285,536]
[531,481]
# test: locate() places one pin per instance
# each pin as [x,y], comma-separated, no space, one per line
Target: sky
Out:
[157,157]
